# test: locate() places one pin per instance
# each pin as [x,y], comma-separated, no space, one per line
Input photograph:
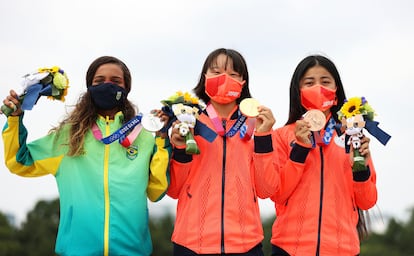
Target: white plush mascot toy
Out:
[185,108]
[353,127]
[187,115]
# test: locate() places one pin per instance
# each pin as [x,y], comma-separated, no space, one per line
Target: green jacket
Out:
[103,193]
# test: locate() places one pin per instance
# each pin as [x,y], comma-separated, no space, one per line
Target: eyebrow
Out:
[308,77]
[322,77]
[111,77]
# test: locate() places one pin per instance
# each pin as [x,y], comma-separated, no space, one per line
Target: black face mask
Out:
[107,96]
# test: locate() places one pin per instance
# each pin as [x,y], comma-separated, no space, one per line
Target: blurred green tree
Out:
[9,244]
[38,233]
[397,240]
[161,230]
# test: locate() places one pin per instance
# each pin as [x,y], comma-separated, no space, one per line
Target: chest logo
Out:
[132,152]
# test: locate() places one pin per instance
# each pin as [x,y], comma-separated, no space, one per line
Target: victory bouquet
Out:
[51,82]
[185,108]
[355,115]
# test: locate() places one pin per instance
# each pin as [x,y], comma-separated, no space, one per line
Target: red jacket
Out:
[318,197]
[217,209]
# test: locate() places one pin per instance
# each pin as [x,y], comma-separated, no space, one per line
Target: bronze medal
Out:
[316,119]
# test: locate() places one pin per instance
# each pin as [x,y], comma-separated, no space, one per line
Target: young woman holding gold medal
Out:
[217,212]
[105,165]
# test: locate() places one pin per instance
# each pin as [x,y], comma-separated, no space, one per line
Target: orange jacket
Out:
[217,209]
[317,200]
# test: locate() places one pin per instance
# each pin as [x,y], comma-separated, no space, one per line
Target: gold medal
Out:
[316,119]
[249,107]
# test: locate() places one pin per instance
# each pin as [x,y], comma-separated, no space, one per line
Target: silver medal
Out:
[151,123]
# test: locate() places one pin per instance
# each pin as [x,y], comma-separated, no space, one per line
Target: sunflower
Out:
[355,106]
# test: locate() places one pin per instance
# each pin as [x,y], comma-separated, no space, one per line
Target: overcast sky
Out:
[164,43]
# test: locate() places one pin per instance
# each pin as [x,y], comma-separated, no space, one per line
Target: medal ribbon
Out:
[329,131]
[246,131]
[219,127]
[215,119]
[327,136]
[131,126]
[378,133]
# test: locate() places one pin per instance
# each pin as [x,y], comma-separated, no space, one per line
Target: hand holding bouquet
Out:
[51,82]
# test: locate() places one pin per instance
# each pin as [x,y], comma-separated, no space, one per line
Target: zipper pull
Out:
[223,123]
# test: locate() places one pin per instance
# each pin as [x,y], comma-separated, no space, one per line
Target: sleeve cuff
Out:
[180,156]
[263,144]
[162,142]
[14,119]
[299,153]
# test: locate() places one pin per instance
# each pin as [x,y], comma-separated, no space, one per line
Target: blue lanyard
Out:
[120,134]
[316,138]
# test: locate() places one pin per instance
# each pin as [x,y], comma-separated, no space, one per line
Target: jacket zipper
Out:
[223,182]
[106,194]
[318,245]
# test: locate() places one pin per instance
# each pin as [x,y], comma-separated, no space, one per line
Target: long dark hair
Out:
[85,113]
[239,65]
[296,110]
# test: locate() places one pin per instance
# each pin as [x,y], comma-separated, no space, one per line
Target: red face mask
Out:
[318,97]
[223,88]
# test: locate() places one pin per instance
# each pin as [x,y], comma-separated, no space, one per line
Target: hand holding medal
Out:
[316,119]
[151,122]
[258,116]
[50,82]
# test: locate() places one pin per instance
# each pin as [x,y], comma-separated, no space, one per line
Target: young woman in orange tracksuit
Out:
[320,199]
[217,211]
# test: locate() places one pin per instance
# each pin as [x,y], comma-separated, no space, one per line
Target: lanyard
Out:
[327,136]
[329,131]
[132,126]
[238,125]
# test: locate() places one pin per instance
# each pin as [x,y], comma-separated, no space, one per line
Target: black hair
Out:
[296,110]
[239,65]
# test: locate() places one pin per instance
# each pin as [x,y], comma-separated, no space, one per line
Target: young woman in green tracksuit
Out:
[103,187]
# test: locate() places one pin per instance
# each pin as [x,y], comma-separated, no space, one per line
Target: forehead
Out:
[222,61]
[109,69]
[317,72]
